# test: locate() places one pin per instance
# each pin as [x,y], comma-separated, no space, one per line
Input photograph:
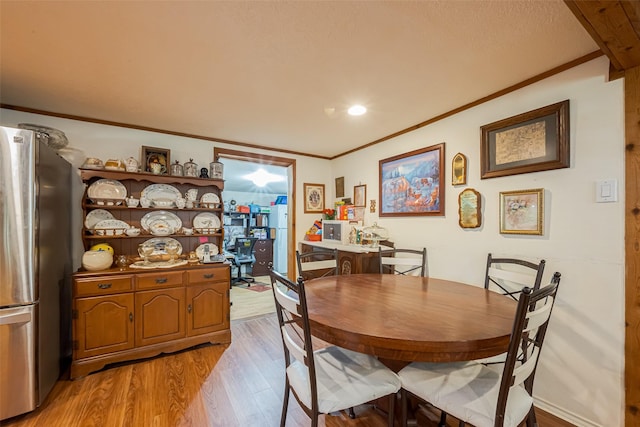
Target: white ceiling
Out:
[263,72]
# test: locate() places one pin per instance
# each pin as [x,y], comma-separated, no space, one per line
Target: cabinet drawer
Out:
[159,280]
[208,275]
[103,285]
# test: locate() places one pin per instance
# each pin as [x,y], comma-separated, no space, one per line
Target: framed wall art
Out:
[313,198]
[469,208]
[522,211]
[459,169]
[340,187]
[531,142]
[360,195]
[155,160]
[411,183]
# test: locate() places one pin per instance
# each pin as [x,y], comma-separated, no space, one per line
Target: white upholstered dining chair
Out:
[481,396]
[328,379]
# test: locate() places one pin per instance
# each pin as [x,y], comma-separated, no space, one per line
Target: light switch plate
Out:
[606,191]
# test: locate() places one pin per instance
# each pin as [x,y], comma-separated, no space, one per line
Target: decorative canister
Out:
[190,168]
[216,170]
[176,169]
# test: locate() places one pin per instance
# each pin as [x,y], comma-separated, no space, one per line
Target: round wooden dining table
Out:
[406,318]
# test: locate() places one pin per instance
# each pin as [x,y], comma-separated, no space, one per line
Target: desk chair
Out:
[407,262]
[243,255]
[329,379]
[482,396]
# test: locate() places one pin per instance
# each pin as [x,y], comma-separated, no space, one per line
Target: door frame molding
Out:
[290,164]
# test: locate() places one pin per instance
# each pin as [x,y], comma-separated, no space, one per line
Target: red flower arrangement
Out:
[329,213]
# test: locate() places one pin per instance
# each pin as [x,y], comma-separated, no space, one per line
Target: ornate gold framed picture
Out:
[459,169]
[313,198]
[522,211]
[469,208]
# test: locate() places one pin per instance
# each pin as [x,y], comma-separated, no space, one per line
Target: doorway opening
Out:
[220,154]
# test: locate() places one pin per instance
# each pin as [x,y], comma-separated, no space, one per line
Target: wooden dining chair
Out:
[481,396]
[509,276]
[407,262]
[328,379]
[320,262]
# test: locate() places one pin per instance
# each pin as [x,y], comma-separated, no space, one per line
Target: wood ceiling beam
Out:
[614,26]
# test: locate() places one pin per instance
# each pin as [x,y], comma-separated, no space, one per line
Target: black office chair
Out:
[243,255]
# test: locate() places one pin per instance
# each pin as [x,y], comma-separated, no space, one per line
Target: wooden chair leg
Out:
[443,419]
[285,404]
[352,413]
[403,407]
[392,410]
[531,418]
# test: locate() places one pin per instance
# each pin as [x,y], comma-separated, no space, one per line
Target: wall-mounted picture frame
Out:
[469,208]
[522,212]
[531,142]
[313,198]
[153,156]
[360,196]
[459,170]
[411,183]
[340,187]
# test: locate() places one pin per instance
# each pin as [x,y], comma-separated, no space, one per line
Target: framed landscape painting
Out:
[411,183]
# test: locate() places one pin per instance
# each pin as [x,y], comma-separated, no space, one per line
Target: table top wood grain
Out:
[408,319]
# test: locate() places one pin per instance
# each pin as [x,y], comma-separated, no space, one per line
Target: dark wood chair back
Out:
[320,262]
[509,276]
[407,262]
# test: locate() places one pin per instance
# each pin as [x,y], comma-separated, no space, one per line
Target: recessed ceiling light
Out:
[356,110]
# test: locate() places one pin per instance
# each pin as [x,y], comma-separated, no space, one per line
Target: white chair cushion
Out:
[344,378]
[466,390]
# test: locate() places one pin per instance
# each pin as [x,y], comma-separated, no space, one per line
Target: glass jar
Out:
[191,169]
[374,234]
[176,169]
[216,170]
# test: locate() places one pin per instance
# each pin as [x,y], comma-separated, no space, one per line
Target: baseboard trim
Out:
[563,414]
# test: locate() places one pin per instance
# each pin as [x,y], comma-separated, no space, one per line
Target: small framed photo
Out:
[155,160]
[459,169]
[313,198]
[360,196]
[340,187]
[530,142]
[522,211]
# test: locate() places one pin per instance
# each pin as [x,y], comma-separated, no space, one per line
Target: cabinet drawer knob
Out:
[104,285]
[189,308]
[161,280]
[208,276]
[130,317]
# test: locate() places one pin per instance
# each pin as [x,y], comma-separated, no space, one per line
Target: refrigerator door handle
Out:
[15,318]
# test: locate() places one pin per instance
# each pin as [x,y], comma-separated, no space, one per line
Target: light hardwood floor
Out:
[239,385]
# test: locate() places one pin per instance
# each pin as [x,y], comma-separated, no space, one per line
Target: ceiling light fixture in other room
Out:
[357,110]
[261,177]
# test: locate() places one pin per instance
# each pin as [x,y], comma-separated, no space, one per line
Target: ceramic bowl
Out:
[132,232]
[97,260]
[163,203]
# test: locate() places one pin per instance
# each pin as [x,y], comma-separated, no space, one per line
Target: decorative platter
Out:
[109,189]
[160,192]
[205,222]
[169,217]
[95,216]
[110,227]
[159,264]
[213,249]
[159,243]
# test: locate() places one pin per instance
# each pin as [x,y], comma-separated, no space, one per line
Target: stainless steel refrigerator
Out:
[278,220]
[35,269]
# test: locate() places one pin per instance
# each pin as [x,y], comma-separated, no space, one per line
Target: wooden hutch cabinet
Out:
[125,313]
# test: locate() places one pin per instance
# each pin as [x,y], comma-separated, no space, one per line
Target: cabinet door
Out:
[160,316]
[207,308]
[103,325]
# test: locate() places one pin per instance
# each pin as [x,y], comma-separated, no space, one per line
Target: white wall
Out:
[580,376]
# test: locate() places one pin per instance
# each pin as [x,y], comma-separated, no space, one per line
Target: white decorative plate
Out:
[110,227]
[159,244]
[206,221]
[159,264]
[210,198]
[95,216]
[107,189]
[213,249]
[160,192]
[172,219]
